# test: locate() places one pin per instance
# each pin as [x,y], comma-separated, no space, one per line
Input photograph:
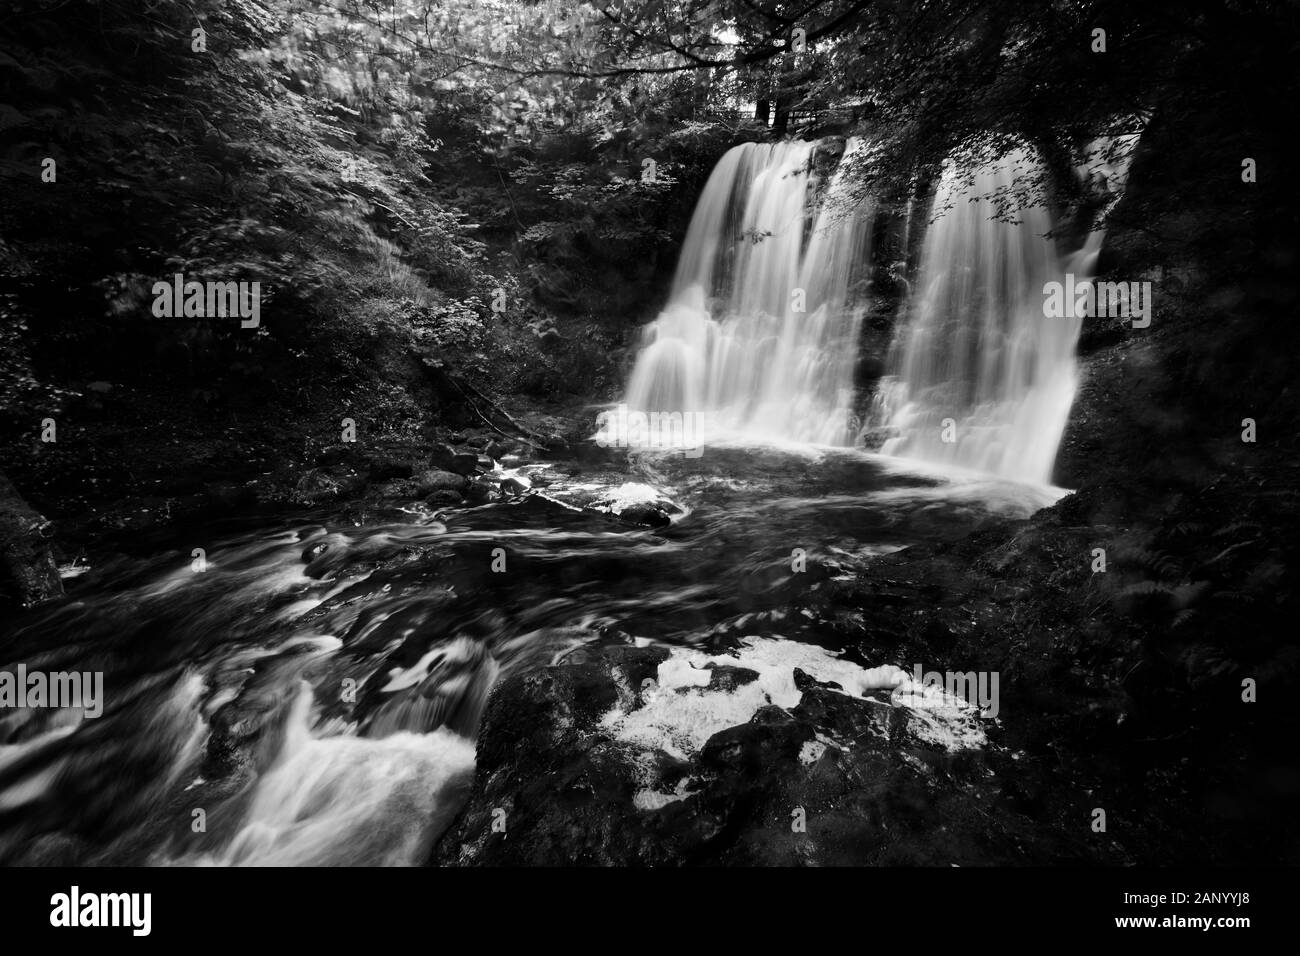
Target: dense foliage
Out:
[500,184]
[392,201]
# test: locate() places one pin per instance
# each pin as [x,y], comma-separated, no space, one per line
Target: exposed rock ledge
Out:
[626,755]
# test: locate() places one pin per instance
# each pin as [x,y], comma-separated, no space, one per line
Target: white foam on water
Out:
[618,500]
[679,715]
[939,718]
[650,799]
[345,800]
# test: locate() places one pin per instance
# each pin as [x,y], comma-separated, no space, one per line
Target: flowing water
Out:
[979,377]
[761,328]
[311,694]
[226,689]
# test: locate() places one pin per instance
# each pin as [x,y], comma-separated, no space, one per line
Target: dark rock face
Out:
[537,761]
[835,780]
[27,567]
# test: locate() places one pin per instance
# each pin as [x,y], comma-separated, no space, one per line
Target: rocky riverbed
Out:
[604,657]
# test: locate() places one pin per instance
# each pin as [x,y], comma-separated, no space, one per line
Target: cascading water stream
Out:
[760,332]
[228,690]
[318,688]
[979,377]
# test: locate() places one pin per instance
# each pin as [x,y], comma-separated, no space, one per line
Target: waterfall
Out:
[979,378]
[760,333]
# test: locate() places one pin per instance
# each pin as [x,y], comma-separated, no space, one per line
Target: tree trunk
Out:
[782,121]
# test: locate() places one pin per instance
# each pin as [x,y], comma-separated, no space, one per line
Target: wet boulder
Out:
[513,486]
[428,482]
[464,463]
[441,456]
[637,503]
[480,491]
[609,758]
[727,678]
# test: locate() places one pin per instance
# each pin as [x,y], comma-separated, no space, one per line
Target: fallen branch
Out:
[521,432]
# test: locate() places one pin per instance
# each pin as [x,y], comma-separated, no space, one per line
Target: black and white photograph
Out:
[642,435]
